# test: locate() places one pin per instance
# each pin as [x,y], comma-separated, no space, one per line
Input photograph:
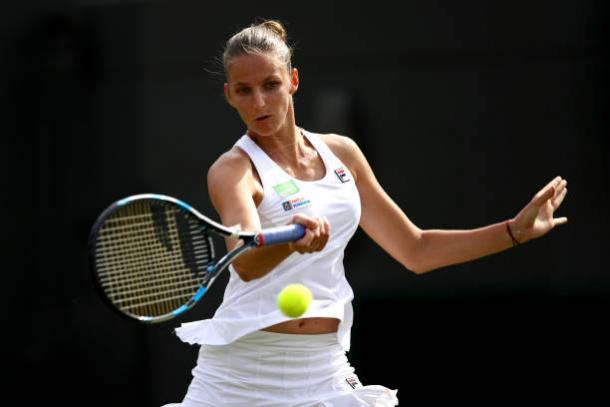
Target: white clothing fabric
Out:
[269,369]
[251,306]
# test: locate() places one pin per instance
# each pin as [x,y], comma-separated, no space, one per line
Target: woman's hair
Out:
[268,37]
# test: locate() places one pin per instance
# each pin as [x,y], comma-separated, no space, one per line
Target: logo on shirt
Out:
[353,382]
[295,203]
[342,175]
[286,188]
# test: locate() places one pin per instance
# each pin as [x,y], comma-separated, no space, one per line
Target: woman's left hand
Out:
[536,219]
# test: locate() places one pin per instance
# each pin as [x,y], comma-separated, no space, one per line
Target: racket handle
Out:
[280,234]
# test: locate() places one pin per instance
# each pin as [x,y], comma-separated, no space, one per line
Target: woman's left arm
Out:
[424,250]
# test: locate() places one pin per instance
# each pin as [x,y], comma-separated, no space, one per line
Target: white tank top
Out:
[251,306]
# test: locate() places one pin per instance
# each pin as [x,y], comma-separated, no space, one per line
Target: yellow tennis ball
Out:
[294,299]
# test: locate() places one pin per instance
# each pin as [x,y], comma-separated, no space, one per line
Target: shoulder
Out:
[233,190]
[338,143]
[229,168]
[346,150]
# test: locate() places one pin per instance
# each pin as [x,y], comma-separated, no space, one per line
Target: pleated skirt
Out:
[271,369]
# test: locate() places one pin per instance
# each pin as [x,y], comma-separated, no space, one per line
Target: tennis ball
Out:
[294,299]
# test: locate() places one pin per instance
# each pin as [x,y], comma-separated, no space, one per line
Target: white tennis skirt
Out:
[272,369]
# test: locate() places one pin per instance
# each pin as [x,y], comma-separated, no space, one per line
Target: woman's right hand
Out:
[317,231]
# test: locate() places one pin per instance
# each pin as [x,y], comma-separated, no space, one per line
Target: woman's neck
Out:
[287,146]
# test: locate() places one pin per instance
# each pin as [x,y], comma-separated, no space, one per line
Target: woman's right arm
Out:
[232,187]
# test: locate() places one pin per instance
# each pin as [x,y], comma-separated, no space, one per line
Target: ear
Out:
[294,81]
[227,93]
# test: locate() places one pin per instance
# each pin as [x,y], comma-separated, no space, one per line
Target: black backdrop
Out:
[464,109]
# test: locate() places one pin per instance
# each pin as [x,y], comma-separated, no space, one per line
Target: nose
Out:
[258,99]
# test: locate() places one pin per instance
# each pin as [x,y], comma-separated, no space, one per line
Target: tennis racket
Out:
[153,257]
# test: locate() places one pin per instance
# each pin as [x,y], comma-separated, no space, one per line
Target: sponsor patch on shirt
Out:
[286,188]
[353,382]
[342,174]
[295,203]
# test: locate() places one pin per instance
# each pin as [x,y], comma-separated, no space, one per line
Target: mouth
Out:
[262,118]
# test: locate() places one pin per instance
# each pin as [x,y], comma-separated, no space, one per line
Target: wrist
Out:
[514,233]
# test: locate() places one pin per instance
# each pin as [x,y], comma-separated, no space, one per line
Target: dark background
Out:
[464,109]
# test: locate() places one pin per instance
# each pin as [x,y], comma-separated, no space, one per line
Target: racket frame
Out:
[250,239]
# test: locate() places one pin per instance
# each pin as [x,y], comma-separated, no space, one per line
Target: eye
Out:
[242,91]
[272,85]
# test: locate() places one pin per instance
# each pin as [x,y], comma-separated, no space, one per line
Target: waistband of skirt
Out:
[289,342]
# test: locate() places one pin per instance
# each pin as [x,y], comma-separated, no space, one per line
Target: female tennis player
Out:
[279,173]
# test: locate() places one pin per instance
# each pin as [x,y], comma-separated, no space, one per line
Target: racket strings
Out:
[145,285]
[151,258]
[117,228]
[132,287]
[128,254]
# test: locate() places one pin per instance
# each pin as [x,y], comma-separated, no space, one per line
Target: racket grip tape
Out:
[280,234]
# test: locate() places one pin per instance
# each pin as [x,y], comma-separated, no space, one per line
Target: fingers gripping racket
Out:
[153,257]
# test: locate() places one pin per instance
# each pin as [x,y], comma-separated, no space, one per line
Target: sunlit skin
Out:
[260,88]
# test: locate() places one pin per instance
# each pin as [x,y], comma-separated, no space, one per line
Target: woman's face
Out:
[261,89]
